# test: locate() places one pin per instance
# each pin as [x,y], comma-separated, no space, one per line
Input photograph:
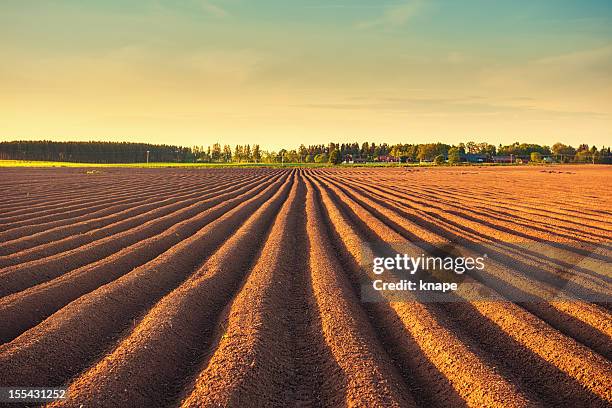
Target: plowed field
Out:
[243,287]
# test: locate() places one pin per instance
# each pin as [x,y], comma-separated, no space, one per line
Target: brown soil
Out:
[242,287]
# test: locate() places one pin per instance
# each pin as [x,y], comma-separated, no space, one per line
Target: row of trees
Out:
[559,152]
[124,152]
[93,152]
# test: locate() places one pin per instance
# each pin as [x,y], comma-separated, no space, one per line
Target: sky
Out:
[285,73]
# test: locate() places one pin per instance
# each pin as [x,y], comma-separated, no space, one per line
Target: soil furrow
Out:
[588,328]
[269,350]
[21,276]
[164,342]
[61,239]
[536,335]
[426,348]
[122,302]
[37,229]
[27,308]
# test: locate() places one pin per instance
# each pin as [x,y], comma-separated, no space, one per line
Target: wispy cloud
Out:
[344,6]
[457,106]
[396,15]
[583,70]
[213,9]
[598,58]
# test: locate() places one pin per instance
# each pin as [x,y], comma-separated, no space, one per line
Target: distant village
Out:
[331,153]
[463,158]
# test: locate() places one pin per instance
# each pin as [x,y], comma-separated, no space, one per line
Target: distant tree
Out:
[365,151]
[376,152]
[438,160]
[334,157]
[302,152]
[321,158]
[454,156]
[247,154]
[291,156]
[564,153]
[583,153]
[396,151]
[488,149]
[536,157]
[461,148]
[237,154]
[268,157]
[256,153]
[216,152]
[594,155]
[430,150]
[471,147]
[604,156]
[425,152]
[227,154]
[523,149]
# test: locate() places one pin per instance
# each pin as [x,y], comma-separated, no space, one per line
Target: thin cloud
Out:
[397,15]
[472,105]
[213,9]
[593,58]
[348,6]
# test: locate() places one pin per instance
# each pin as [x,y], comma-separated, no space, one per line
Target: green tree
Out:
[237,154]
[471,147]
[430,150]
[216,152]
[454,156]
[227,153]
[247,154]
[302,152]
[321,158]
[563,152]
[536,157]
[256,153]
[365,150]
[334,157]
[269,157]
[438,160]
[291,157]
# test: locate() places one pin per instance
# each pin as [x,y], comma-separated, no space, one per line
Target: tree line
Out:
[93,152]
[126,152]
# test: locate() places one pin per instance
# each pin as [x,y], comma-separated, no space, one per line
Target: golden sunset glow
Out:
[197,72]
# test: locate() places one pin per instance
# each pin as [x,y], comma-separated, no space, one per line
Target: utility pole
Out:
[147,157]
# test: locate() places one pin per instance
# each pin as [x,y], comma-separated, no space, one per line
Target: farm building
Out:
[388,159]
[349,159]
[502,159]
[475,158]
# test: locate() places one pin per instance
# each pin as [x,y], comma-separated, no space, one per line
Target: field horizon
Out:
[42,163]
